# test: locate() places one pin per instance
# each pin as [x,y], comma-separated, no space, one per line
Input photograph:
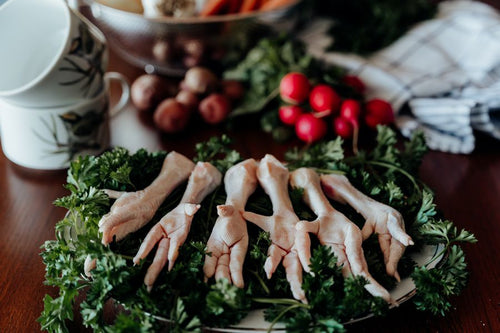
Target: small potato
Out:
[163,51]
[200,80]
[214,108]
[148,91]
[194,47]
[188,99]
[171,116]
[191,61]
[234,90]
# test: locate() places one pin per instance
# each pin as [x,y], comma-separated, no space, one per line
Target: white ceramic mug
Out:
[50,55]
[49,138]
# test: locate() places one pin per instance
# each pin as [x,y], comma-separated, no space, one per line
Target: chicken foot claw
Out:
[133,210]
[173,229]
[380,219]
[334,230]
[273,177]
[227,247]
[228,242]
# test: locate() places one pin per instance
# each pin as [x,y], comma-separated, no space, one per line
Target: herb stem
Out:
[328,171]
[282,313]
[280,301]
[261,282]
[400,170]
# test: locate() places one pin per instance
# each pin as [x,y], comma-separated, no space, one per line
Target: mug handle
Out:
[125,95]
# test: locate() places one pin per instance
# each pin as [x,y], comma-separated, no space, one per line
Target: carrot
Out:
[273,4]
[214,7]
[248,6]
[234,6]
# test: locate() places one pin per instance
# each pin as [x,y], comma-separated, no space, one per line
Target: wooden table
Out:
[467,189]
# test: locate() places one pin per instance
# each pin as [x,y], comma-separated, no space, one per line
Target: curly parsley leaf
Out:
[226,304]
[323,156]
[182,322]
[435,286]
[216,151]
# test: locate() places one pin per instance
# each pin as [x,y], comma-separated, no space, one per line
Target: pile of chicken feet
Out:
[227,246]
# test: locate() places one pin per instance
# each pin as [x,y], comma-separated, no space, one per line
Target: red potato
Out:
[234,90]
[200,80]
[171,116]
[214,108]
[163,51]
[191,61]
[188,99]
[148,90]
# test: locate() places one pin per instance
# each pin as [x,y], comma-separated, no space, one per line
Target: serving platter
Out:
[429,256]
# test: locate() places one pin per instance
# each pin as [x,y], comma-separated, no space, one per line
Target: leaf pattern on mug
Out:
[82,132]
[84,61]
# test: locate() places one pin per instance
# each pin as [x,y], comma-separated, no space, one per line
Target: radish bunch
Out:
[313,109]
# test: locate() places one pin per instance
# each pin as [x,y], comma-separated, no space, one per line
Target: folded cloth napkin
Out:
[447,70]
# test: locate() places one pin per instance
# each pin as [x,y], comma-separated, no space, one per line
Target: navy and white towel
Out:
[447,70]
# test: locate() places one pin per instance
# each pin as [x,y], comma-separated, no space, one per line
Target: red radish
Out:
[294,88]
[355,83]
[309,128]
[350,111]
[290,113]
[378,112]
[324,99]
[343,127]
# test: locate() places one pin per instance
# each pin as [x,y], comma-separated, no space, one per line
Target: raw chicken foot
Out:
[381,219]
[273,177]
[132,210]
[228,242]
[333,229]
[172,230]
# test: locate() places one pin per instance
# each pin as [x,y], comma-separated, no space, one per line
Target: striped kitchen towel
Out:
[447,70]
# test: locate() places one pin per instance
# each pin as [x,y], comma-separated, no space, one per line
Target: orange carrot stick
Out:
[248,6]
[213,7]
[234,6]
[273,4]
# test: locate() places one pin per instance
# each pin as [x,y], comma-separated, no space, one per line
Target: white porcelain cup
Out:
[50,55]
[49,138]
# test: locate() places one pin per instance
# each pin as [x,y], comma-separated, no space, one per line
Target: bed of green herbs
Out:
[385,173]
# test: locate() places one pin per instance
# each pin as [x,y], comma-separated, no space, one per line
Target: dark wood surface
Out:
[467,191]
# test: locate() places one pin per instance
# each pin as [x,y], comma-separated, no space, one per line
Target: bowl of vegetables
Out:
[170,36]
